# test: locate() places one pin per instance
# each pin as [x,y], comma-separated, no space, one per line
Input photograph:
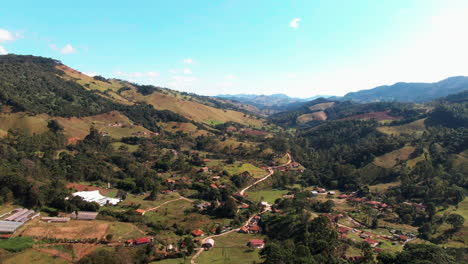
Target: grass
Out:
[239,168]
[417,127]
[30,123]
[391,159]
[16,244]
[383,186]
[131,148]
[460,237]
[123,231]
[268,195]
[231,249]
[146,204]
[173,261]
[32,256]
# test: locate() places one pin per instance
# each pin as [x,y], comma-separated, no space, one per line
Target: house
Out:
[213,186]
[343,232]
[83,215]
[166,192]
[314,192]
[256,243]
[372,242]
[343,196]
[204,169]
[331,193]
[321,190]
[203,206]
[254,229]
[403,238]
[140,211]
[170,181]
[244,229]
[295,165]
[142,241]
[209,243]
[365,235]
[197,233]
[216,178]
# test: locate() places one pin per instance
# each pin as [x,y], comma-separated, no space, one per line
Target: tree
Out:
[455,220]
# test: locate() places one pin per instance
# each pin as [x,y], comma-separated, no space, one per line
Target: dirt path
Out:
[200,250]
[170,201]
[270,172]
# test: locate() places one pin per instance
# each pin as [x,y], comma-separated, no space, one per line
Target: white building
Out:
[95,196]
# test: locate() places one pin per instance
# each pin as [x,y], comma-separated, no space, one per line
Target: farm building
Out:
[55,219]
[142,241]
[140,211]
[95,196]
[9,226]
[256,243]
[209,243]
[21,215]
[197,233]
[83,215]
[372,242]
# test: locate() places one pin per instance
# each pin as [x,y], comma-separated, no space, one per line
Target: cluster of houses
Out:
[15,219]
[252,227]
[139,241]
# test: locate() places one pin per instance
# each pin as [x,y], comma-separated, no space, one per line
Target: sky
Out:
[299,47]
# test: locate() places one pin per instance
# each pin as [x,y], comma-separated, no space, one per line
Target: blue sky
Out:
[298,47]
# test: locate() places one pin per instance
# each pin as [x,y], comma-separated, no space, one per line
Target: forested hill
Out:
[40,85]
[410,92]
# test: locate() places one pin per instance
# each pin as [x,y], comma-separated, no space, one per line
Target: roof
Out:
[95,196]
[254,228]
[142,240]
[9,227]
[371,241]
[140,211]
[84,215]
[197,232]
[403,237]
[244,229]
[255,242]
[209,241]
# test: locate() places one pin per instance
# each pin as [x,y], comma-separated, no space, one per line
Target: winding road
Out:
[270,172]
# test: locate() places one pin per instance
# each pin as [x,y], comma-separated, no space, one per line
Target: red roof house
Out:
[140,211]
[142,241]
[197,233]
[371,242]
[256,243]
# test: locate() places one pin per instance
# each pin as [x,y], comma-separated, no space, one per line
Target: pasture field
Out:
[131,148]
[231,249]
[266,195]
[416,127]
[31,256]
[239,167]
[391,159]
[383,186]
[75,229]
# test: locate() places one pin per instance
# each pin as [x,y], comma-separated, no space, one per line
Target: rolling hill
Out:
[410,92]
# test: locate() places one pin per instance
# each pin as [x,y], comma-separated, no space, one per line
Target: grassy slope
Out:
[32,256]
[390,159]
[417,127]
[239,168]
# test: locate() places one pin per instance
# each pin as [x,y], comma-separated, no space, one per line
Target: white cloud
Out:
[187,71]
[291,75]
[182,82]
[172,71]
[3,51]
[148,74]
[294,23]
[67,49]
[188,61]
[91,74]
[7,36]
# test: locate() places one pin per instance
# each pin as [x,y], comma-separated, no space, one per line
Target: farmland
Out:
[71,230]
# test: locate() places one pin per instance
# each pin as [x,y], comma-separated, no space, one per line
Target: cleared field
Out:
[266,195]
[416,127]
[460,162]
[105,123]
[383,186]
[231,249]
[460,238]
[239,168]
[321,115]
[196,111]
[71,230]
[147,204]
[32,256]
[118,145]
[322,106]
[390,159]
[123,231]
[30,123]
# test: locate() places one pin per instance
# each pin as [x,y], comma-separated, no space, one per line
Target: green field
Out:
[266,195]
[239,168]
[31,256]
[417,127]
[231,249]
[16,244]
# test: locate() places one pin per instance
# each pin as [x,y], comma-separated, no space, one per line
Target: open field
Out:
[383,186]
[32,256]
[460,238]
[320,115]
[266,195]
[30,123]
[391,159]
[231,249]
[196,111]
[416,127]
[238,168]
[147,204]
[75,229]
